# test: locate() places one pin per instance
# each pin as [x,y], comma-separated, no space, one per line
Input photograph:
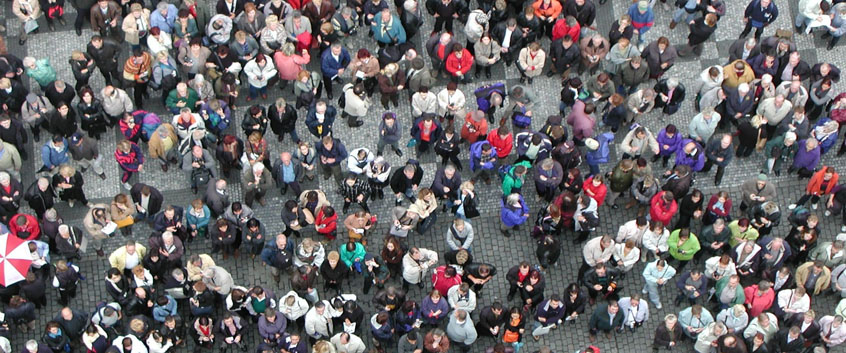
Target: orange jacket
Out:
[817,180]
[553,10]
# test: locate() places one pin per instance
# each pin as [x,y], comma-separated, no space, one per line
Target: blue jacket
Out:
[381,332]
[601,154]
[804,158]
[329,66]
[198,221]
[391,33]
[272,256]
[164,24]
[674,142]
[695,162]
[761,16]
[552,315]
[338,151]
[828,141]
[160,313]
[641,21]
[511,216]
[52,158]
[476,155]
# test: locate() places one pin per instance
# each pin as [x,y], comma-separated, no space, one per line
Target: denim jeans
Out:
[679,14]
[653,290]
[255,91]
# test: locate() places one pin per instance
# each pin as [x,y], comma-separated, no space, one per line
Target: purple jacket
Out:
[513,216]
[695,162]
[806,159]
[674,142]
[427,307]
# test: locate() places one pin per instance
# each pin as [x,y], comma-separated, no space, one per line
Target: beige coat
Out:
[370,69]
[118,258]
[532,66]
[96,229]
[119,213]
[19,5]
[822,282]
[130,26]
[196,273]
[156,147]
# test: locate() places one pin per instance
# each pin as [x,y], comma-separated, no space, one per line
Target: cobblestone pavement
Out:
[490,245]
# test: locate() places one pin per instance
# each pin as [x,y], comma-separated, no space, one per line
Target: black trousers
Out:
[720,170]
[443,22]
[111,75]
[748,28]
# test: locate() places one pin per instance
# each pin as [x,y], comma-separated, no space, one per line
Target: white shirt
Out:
[506,42]
[132,261]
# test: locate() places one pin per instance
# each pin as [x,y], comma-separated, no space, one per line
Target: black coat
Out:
[488,320]
[584,14]
[154,205]
[15,134]
[803,70]
[64,126]
[675,101]
[13,101]
[282,121]
[75,191]
[700,32]
[516,43]
[55,97]
[663,336]
[564,58]
[106,57]
[779,342]
[399,183]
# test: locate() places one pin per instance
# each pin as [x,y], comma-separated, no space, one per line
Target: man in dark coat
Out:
[605,318]
[59,92]
[743,48]
[405,181]
[147,199]
[439,47]
[216,197]
[515,40]
[583,10]
[13,100]
[788,340]
[105,53]
[83,13]
[798,68]
[670,95]
[283,120]
[12,131]
[564,55]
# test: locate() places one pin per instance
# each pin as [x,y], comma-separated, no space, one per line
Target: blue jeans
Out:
[255,91]
[594,169]
[680,13]
[652,289]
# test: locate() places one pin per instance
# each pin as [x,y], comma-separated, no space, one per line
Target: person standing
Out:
[758,14]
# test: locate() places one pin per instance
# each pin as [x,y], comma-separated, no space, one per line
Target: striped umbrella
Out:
[14,259]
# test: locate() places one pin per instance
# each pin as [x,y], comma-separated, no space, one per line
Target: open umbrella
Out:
[14,259]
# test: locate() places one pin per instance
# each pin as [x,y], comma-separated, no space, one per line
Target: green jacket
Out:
[787,153]
[739,297]
[43,73]
[348,257]
[190,101]
[750,234]
[686,251]
[620,181]
[510,181]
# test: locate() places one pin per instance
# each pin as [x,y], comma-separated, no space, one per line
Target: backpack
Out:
[96,313]
[201,176]
[503,170]
[799,216]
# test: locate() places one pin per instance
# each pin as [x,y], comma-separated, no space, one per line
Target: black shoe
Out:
[52,27]
[346,208]
[398,152]
[488,74]
[550,73]
[194,190]
[78,32]
[477,74]
[22,42]
[829,46]
[357,123]
[530,79]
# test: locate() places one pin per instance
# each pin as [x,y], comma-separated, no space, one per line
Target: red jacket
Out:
[331,223]
[480,128]
[758,304]
[30,227]
[839,114]
[726,206]
[560,29]
[454,64]
[441,283]
[659,210]
[598,191]
[503,146]
[816,181]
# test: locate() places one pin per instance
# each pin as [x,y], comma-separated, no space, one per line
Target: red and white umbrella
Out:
[15,259]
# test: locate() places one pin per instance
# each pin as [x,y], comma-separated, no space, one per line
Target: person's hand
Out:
[660,281]
[597,287]
[140,168]
[455,15]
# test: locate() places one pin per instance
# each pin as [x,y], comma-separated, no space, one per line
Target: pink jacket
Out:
[758,304]
[582,123]
[290,66]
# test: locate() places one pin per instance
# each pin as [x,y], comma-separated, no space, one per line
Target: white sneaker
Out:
[843,228]
[70,203]
[792,206]
[814,206]
[643,291]
[658,306]
[827,213]
[127,186]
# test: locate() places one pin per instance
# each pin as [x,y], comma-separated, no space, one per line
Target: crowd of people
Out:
[748,288]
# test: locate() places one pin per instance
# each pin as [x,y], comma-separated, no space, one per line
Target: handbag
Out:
[30,26]
[128,221]
[510,336]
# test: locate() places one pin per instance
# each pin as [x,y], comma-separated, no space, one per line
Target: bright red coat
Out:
[758,304]
[560,29]
[503,145]
[331,223]
[454,64]
[598,191]
[441,283]
[816,181]
[31,227]
[662,211]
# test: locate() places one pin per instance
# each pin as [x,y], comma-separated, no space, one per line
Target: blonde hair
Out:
[390,69]
[271,20]
[468,185]
[67,170]
[77,55]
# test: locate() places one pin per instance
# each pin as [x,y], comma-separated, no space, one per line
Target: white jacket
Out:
[137,345]
[736,323]
[352,160]
[413,271]
[293,311]
[382,177]
[712,267]
[628,260]
[156,347]
[445,100]
[473,30]
[656,242]
[354,345]
[319,255]
[420,105]
[258,76]
[318,326]
[768,332]
[467,304]
[798,305]
[629,230]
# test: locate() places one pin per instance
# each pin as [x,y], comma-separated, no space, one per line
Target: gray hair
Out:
[167,235]
[4,177]
[162,5]
[513,198]
[32,345]
[346,10]
[51,215]
[672,82]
